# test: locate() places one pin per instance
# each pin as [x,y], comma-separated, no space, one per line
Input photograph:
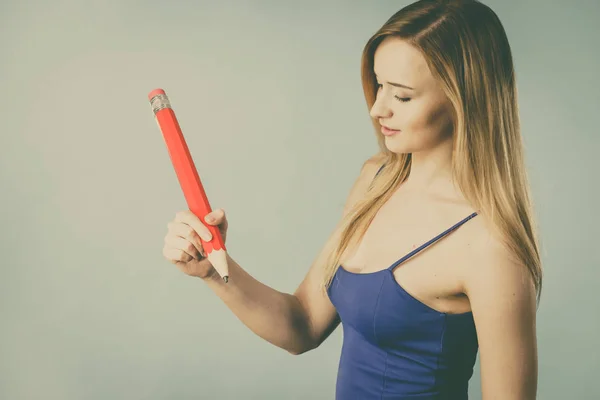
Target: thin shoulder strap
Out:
[378,171]
[435,239]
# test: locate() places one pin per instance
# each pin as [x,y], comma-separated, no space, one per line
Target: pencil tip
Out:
[226,279]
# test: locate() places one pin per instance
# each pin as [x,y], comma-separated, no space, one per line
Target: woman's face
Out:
[409,100]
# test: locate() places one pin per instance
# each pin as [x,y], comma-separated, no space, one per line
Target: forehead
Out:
[396,60]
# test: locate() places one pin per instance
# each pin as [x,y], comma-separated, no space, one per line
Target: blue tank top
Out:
[395,346]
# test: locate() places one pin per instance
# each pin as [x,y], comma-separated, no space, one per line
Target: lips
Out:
[389,132]
[387,127]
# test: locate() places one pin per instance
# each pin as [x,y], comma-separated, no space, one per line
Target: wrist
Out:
[211,276]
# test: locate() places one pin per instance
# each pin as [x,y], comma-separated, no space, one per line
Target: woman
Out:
[436,256]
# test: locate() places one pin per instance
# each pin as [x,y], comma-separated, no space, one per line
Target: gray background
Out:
[269,92]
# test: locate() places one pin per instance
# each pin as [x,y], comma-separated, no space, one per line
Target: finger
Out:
[191,220]
[187,232]
[182,249]
[217,217]
[176,255]
[184,245]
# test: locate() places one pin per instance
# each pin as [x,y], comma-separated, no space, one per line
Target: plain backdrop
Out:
[268,94]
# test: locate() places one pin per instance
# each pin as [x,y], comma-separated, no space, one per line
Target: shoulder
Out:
[369,169]
[363,180]
[371,166]
[493,276]
[491,262]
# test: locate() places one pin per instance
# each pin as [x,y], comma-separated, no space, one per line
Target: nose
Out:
[380,109]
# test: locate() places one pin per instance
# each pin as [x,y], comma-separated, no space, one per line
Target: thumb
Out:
[215,217]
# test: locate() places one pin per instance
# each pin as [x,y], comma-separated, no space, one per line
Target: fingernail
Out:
[210,219]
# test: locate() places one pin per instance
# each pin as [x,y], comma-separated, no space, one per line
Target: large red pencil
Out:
[187,175]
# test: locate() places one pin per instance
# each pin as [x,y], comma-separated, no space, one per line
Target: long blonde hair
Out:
[467,51]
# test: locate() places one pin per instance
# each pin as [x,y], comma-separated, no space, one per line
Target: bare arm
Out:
[274,316]
[503,301]
[296,322]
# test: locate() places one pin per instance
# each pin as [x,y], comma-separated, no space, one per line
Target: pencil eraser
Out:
[154,93]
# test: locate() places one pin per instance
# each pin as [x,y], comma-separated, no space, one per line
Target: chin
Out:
[398,147]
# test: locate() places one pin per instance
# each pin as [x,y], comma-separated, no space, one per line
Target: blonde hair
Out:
[467,51]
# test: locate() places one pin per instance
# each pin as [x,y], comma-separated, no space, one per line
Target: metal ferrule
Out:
[159,102]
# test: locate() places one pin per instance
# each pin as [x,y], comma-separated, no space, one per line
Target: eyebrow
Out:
[397,84]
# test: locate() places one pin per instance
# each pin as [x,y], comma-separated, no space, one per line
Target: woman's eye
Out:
[402,99]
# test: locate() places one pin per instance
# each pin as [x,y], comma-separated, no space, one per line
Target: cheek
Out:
[441,121]
[429,121]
